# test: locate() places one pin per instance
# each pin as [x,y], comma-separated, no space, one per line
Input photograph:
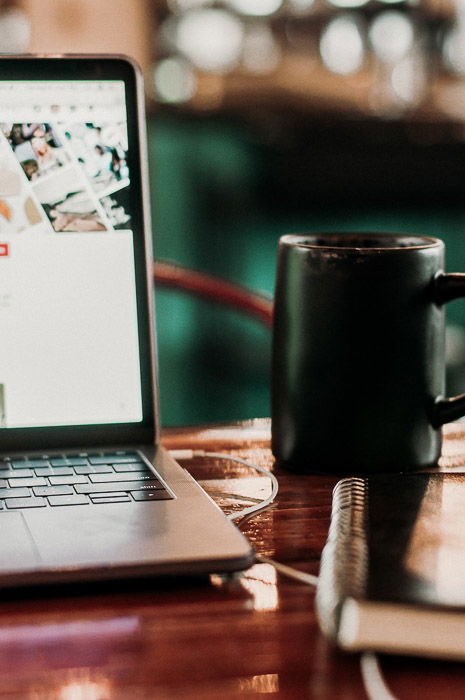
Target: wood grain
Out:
[253,634]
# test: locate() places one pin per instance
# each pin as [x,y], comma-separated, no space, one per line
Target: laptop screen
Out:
[70,348]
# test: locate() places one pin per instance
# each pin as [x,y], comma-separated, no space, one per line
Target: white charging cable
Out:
[246,512]
[375,686]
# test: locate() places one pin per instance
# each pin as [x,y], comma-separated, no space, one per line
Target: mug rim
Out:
[310,241]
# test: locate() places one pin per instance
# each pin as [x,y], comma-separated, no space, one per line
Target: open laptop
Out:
[86,491]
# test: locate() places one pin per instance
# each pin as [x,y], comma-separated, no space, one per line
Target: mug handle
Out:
[447,287]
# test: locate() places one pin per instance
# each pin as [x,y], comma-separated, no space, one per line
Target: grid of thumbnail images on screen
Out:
[63,177]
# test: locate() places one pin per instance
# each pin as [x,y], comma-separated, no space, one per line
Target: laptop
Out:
[86,491]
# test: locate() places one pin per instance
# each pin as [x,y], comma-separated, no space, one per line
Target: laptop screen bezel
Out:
[104,67]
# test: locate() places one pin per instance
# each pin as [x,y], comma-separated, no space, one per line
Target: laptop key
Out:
[53,490]
[53,471]
[15,493]
[112,494]
[19,464]
[74,461]
[133,467]
[58,461]
[25,502]
[97,469]
[110,498]
[131,476]
[35,462]
[34,481]
[71,500]
[149,484]
[114,458]
[72,479]
[10,473]
[158,495]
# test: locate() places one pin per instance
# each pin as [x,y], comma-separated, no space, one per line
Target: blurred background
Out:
[268,117]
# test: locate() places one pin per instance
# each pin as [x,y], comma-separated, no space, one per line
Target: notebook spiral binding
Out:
[343,566]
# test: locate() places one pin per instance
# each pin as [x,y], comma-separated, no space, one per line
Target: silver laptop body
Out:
[86,491]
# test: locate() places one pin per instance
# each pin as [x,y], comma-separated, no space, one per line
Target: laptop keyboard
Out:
[77,479]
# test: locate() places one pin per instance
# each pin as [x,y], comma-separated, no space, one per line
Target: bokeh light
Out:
[15,31]
[174,80]
[454,49]
[392,36]
[183,5]
[261,53]
[408,80]
[348,3]
[211,38]
[256,8]
[342,46]
[301,6]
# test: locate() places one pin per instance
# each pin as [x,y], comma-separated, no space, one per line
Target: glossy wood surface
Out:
[248,635]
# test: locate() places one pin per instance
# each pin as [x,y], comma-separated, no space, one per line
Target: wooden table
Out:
[249,635]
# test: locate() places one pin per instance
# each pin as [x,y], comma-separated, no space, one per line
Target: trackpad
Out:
[17,546]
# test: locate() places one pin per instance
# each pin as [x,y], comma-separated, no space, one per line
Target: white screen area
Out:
[69,352]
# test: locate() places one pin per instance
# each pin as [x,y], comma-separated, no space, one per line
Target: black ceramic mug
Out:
[358,370]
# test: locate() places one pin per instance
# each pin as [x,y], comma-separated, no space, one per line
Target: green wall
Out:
[211,211]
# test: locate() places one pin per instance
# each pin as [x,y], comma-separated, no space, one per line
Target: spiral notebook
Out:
[393,569]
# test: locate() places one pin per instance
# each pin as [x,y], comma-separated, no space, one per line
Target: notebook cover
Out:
[394,539]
